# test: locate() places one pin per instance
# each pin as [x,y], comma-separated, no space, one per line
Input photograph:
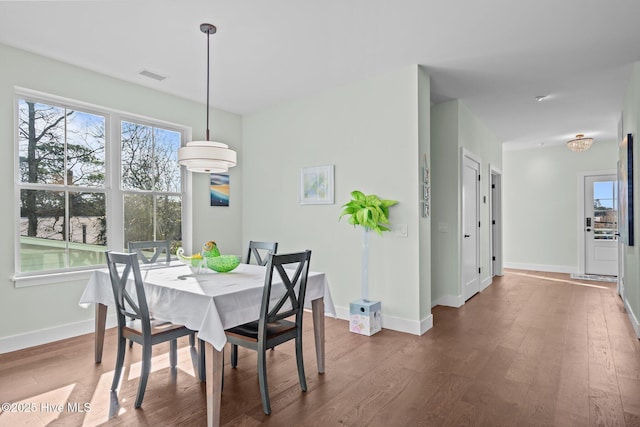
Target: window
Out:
[150,183]
[84,172]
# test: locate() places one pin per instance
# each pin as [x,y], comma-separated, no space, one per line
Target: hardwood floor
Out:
[532,349]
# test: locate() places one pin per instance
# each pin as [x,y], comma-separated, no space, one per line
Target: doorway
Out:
[495,221]
[600,223]
[470,225]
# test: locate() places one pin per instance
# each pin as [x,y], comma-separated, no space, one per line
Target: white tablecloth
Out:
[205,301]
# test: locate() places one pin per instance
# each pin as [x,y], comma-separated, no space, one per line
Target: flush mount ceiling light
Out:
[580,143]
[207,156]
[541,98]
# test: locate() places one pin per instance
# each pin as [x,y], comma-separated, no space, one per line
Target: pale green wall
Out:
[371,132]
[424,224]
[540,188]
[454,127]
[24,310]
[631,111]
[445,215]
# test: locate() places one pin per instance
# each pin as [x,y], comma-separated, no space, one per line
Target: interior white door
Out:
[470,227]
[601,225]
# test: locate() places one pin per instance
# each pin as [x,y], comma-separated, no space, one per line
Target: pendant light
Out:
[207,156]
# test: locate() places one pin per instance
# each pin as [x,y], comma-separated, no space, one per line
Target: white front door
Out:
[601,225]
[470,227]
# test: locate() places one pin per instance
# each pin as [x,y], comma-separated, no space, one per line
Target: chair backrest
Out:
[292,270]
[129,303]
[154,247]
[261,251]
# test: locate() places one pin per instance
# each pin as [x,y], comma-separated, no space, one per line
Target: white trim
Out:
[542,267]
[632,318]
[395,323]
[23,281]
[47,335]
[94,108]
[455,301]
[485,283]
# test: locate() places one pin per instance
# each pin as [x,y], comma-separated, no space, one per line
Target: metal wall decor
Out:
[426,193]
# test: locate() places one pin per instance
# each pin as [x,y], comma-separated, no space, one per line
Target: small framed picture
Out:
[316,185]
[219,189]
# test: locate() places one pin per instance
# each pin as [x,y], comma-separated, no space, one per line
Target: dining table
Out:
[207,302]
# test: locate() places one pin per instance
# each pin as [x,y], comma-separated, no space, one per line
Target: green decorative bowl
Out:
[223,263]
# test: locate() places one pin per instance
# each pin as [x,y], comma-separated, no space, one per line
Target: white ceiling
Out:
[494,55]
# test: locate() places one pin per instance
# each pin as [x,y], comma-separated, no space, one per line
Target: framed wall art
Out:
[316,185]
[219,189]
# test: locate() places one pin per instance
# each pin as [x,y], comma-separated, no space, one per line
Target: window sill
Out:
[23,281]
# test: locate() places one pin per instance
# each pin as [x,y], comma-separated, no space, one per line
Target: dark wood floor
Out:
[532,349]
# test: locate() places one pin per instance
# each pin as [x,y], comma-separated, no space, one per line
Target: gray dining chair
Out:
[286,275]
[261,251]
[154,247]
[142,329]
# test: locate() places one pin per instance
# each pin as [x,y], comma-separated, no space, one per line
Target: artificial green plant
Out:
[371,213]
[368,211]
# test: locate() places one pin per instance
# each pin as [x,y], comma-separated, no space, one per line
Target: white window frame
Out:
[112,188]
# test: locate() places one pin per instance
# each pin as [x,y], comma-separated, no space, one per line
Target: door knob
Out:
[467,235]
[588,229]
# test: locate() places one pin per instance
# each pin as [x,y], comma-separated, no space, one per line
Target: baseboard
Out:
[449,301]
[632,318]
[485,283]
[542,267]
[395,323]
[47,335]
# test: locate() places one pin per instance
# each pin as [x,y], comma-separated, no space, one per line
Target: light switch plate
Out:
[401,230]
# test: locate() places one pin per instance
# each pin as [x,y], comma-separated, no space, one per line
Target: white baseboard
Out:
[632,318]
[449,301]
[47,335]
[542,267]
[485,283]
[395,323]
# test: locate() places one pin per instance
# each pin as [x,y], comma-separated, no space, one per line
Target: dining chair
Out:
[157,247]
[286,280]
[261,251]
[134,321]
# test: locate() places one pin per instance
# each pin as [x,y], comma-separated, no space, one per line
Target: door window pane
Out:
[605,210]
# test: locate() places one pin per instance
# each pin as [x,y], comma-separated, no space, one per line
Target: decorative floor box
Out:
[365,317]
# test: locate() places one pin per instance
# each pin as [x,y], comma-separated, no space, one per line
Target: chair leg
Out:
[234,355]
[300,362]
[192,340]
[173,353]
[262,377]
[122,344]
[144,374]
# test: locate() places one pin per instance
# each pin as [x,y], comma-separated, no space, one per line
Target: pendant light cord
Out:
[208,37]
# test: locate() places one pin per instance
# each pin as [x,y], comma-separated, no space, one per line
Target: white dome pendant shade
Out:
[207,156]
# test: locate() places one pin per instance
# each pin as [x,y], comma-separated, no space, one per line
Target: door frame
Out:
[582,247]
[495,215]
[464,153]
